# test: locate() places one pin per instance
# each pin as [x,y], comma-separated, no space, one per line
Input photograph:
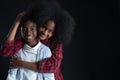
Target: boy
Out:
[32,51]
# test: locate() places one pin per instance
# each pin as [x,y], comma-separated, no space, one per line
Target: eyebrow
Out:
[33,26]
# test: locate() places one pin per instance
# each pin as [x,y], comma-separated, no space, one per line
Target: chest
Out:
[30,56]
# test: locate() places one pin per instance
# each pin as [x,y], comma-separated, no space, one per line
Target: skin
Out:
[29,33]
[13,30]
[45,32]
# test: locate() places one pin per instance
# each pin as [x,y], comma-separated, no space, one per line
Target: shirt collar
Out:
[34,49]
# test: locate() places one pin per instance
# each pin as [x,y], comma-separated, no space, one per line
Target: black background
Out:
[90,55]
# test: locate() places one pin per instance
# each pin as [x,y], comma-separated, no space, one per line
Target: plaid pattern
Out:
[51,65]
[12,47]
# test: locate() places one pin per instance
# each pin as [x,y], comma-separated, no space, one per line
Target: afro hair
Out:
[44,10]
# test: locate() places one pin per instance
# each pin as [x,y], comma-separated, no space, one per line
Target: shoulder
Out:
[56,44]
[44,47]
[45,51]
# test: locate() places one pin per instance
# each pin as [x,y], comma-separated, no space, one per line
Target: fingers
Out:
[15,62]
[20,16]
[23,13]
[11,64]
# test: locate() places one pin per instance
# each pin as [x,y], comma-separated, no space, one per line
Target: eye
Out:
[33,28]
[23,29]
[51,31]
[42,28]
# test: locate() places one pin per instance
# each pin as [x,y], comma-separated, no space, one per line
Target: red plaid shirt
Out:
[51,65]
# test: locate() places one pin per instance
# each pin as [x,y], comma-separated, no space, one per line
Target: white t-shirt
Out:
[31,54]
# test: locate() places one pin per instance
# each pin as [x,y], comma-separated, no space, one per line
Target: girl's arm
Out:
[10,46]
[49,65]
[13,30]
[18,63]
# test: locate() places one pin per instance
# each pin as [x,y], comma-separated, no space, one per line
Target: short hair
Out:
[27,17]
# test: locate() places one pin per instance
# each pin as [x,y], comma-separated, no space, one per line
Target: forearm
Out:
[49,65]
[52,64]
[18,63]
[13,30]
[29,65]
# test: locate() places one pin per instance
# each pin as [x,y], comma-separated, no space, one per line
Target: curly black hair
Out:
[65,25]
[27,17]
[44,10]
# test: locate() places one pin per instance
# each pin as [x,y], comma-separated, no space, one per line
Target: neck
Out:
[33,43]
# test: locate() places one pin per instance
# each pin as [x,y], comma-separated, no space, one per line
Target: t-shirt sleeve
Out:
[47,53]
[12,74]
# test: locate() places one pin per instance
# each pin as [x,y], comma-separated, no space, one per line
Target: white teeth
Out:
[29,37]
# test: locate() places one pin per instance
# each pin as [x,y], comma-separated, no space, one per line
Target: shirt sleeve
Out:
[12,74]
[11,47]
[47,53]
[52,64]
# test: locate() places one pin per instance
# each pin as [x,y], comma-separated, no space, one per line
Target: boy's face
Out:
[46,31]
[29,32]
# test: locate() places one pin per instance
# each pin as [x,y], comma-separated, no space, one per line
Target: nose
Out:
[28,32]
[45,32]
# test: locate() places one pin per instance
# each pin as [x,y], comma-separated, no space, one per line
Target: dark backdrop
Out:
[90,56]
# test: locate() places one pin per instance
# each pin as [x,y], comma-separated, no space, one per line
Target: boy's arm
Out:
[12,73]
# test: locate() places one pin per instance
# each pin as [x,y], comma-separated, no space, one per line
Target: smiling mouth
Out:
[42,35]
[28,37]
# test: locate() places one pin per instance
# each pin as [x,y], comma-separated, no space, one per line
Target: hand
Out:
[20,16]
[15,63]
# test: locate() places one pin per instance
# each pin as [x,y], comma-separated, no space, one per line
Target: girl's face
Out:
[46,31]
[29,33]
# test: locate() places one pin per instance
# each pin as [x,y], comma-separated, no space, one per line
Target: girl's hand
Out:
[18,63]
[20,16]
[15,62]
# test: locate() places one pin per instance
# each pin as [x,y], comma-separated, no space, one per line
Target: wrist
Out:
[17,21]
[21,64]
